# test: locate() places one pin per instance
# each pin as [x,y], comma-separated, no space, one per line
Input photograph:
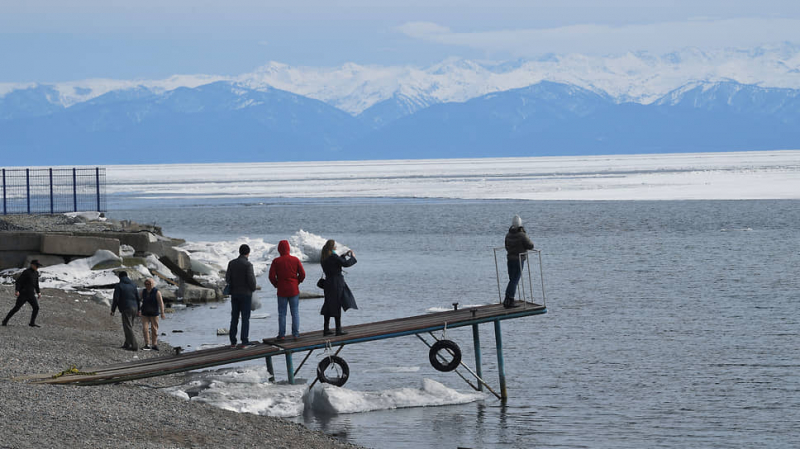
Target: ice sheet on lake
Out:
[734,175]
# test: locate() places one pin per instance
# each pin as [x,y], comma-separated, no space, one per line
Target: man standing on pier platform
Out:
[27,290]
[517,244]
[242,281]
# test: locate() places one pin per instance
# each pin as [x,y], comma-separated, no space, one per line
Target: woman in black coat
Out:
[338,296]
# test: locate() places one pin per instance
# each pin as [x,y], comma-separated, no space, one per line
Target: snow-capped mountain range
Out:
[353,88]
[689,101]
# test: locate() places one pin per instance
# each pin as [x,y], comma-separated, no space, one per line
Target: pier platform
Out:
[309,341]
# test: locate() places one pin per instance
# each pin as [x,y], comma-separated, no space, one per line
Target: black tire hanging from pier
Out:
[450,347]
[333,360]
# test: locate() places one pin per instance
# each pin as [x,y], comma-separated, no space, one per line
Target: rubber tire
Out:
[445,345]
[336,360]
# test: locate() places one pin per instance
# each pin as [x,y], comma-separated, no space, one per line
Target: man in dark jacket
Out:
[242,282]
[126,298]
[27,290]
[517,244]
[286,273]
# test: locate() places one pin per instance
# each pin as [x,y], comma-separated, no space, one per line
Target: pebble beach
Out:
[138,414]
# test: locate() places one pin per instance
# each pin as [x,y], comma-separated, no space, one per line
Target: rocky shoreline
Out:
[78,332]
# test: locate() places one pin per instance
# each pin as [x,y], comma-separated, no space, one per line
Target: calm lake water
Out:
[669,324]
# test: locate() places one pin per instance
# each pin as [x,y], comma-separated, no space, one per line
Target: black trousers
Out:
[21,300]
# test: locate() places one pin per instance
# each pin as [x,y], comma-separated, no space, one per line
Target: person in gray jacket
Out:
[126,299]
[242,282]
[517,243]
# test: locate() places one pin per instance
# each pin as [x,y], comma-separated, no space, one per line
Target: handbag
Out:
[227,290]
[321,283]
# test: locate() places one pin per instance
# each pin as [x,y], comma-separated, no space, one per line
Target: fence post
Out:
[28,188]
[97,183]
[75,189]
[5,211]
[51,191]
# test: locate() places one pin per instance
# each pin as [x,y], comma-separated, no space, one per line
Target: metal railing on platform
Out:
[526,291]
[53,190]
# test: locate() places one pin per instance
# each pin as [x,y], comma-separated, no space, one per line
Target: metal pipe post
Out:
[541,276]
[75,188]
[28,187]
[5,211]
[97,182]
[497,270]
[290,367]
[476,342]
[498,338]
[51,191]
[270,369]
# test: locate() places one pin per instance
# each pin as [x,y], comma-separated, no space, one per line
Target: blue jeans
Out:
[294,303]
[240,304]
[514,273]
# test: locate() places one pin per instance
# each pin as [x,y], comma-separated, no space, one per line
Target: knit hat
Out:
[516,222]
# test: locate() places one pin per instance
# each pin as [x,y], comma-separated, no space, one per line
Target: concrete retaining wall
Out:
[70,245]
[20,241]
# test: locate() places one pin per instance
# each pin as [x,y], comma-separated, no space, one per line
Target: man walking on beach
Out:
[126,298]
[26,289]
[242,282]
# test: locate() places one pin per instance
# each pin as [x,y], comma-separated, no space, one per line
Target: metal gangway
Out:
[444,354]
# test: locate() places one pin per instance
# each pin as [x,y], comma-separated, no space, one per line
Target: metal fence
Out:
[53,190]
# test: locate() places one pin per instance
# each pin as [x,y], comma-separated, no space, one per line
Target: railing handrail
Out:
[522,256]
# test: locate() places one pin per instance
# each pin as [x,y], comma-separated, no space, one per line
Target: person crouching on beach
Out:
[242,281]
[286,273]
[27,290]
[126,298]
[338,296]
[152,307]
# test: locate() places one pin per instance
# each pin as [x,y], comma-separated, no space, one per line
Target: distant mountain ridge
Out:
[228,121]
[633,77]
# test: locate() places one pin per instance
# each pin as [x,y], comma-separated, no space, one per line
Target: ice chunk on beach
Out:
[88,216]
[328,399]
[243,390]
[79,273]
[305,246]
[153,263]
[218,254]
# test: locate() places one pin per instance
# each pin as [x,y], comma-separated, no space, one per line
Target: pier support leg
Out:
[270,369]
[476,342]
[498,338]
[290,367]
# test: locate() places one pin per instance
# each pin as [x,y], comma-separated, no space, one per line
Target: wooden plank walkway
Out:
[359,333]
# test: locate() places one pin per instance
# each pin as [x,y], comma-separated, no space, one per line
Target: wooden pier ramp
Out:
[360,333]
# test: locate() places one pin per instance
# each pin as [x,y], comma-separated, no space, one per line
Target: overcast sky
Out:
[57,40]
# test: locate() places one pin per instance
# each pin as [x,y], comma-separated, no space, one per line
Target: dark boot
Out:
[339,330]
[327,329]
[508,303]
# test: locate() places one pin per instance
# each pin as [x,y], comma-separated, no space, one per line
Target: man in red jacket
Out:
[286,273]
